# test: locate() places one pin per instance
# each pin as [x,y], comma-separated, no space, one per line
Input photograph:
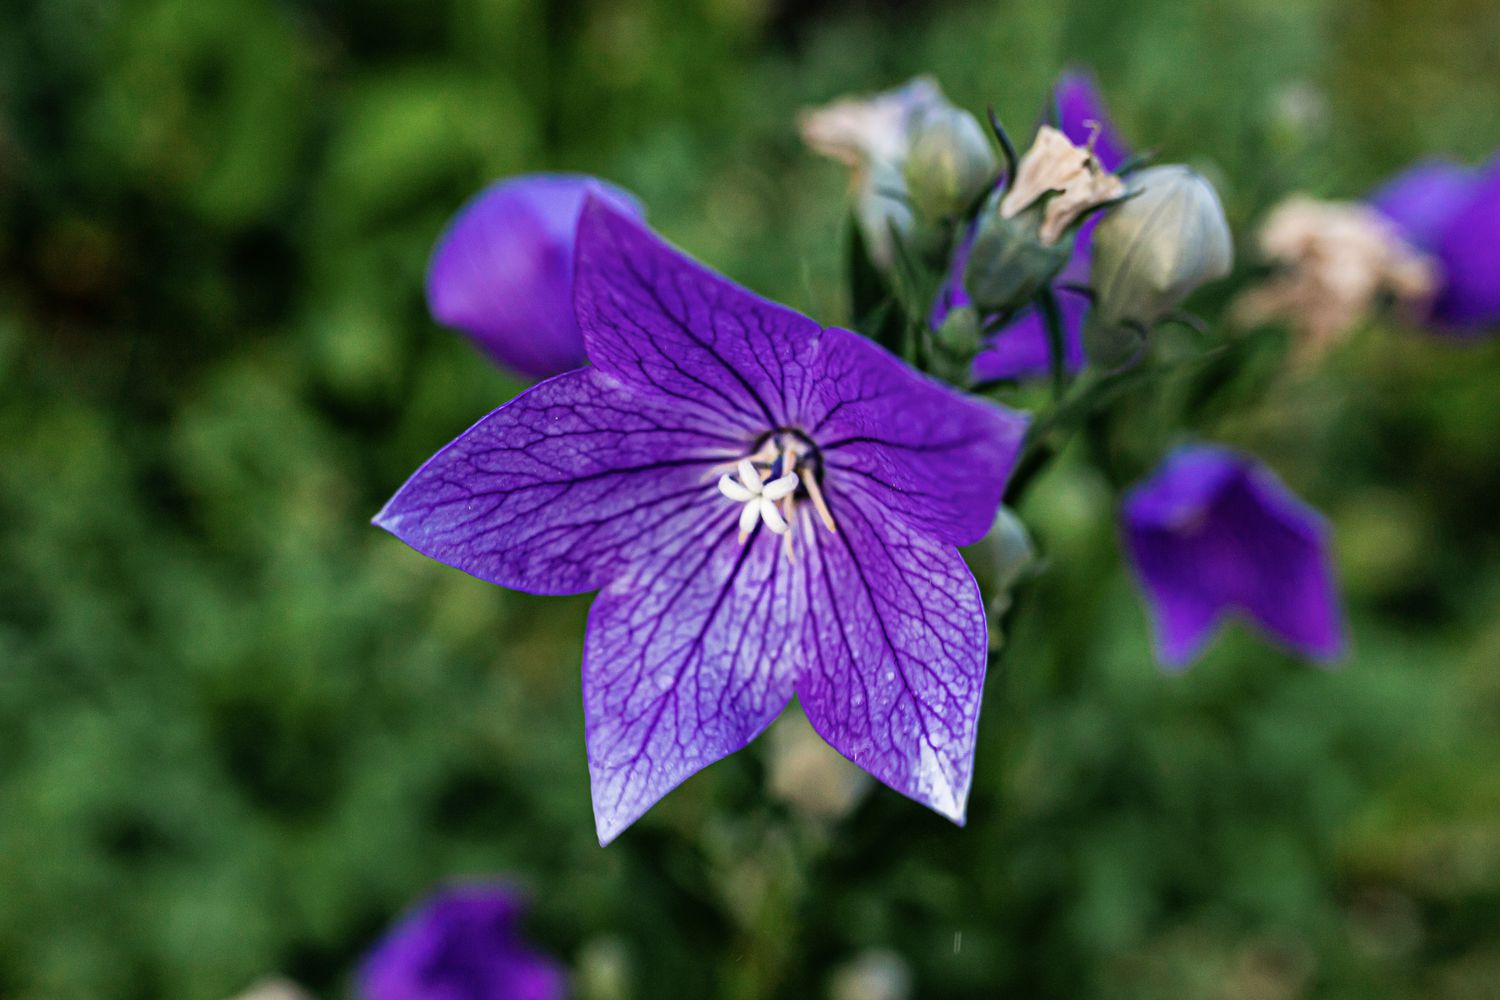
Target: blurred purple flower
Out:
[1213,532]
[502,272]
[1453,213]
[463,943]
[1020,350]
[711,422]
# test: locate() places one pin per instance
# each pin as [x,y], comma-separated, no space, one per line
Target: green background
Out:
[240,729]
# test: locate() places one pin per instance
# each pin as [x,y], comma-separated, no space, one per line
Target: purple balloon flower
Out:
[1021,349]
[1453,213]
[770,508]
[462,944]
[1213,532]
[502,272]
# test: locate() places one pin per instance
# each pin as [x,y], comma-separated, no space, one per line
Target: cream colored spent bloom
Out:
[1338,259]
[872,136]
[1053,163]
[860,132]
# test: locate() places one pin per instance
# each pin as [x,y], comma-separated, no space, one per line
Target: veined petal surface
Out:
[892,651]
[563,487]
[657,320]
[686,661]
[901,441]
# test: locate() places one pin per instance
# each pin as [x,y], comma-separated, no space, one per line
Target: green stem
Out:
[1057,344]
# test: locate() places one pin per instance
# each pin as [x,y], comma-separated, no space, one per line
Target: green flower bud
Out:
[1152,251]
[959,334]
[1000,561]
[1010,262]
[950,164]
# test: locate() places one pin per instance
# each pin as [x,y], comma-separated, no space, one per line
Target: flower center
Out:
[768,483]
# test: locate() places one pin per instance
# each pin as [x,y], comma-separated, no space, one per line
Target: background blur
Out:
[241,729]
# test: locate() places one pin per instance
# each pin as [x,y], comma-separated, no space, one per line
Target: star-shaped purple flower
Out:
[769,508]
[1021,349]
[1453,213]
[502,272]
[1213,533]
[462,944]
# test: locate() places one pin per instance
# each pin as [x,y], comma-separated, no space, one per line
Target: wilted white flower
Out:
[873,136]
[1337,261]
[1074,176]
[1156,248]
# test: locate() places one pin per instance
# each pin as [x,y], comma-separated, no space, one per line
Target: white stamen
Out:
[770,503]
[824,514]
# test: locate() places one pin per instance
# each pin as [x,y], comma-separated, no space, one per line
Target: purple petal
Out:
[502,272]
[893,643]
[558,489]
[1423,199]
[1469,249]
[462,944]
[934,457]
[1022,350]
[657,320]
[951,294]
[1213,533]
[685,662]
[1081,111]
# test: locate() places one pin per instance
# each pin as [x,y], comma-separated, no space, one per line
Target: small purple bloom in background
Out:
[464,943]
[1213,532]
[1020,350]
[770,508]
[502,272]
[1453,213]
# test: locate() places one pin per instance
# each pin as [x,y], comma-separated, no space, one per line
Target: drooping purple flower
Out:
[1453,213]
[769,507]
[464,943]
[1214,533]
[1020,350]
[502,272]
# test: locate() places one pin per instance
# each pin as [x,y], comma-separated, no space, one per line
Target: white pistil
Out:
[772,503]
[759,498]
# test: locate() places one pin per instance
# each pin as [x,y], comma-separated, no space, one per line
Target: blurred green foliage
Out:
[240,729]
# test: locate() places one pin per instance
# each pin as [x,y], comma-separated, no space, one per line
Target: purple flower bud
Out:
[503,271]
[1453,213]
[461,944]
[1214,533]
